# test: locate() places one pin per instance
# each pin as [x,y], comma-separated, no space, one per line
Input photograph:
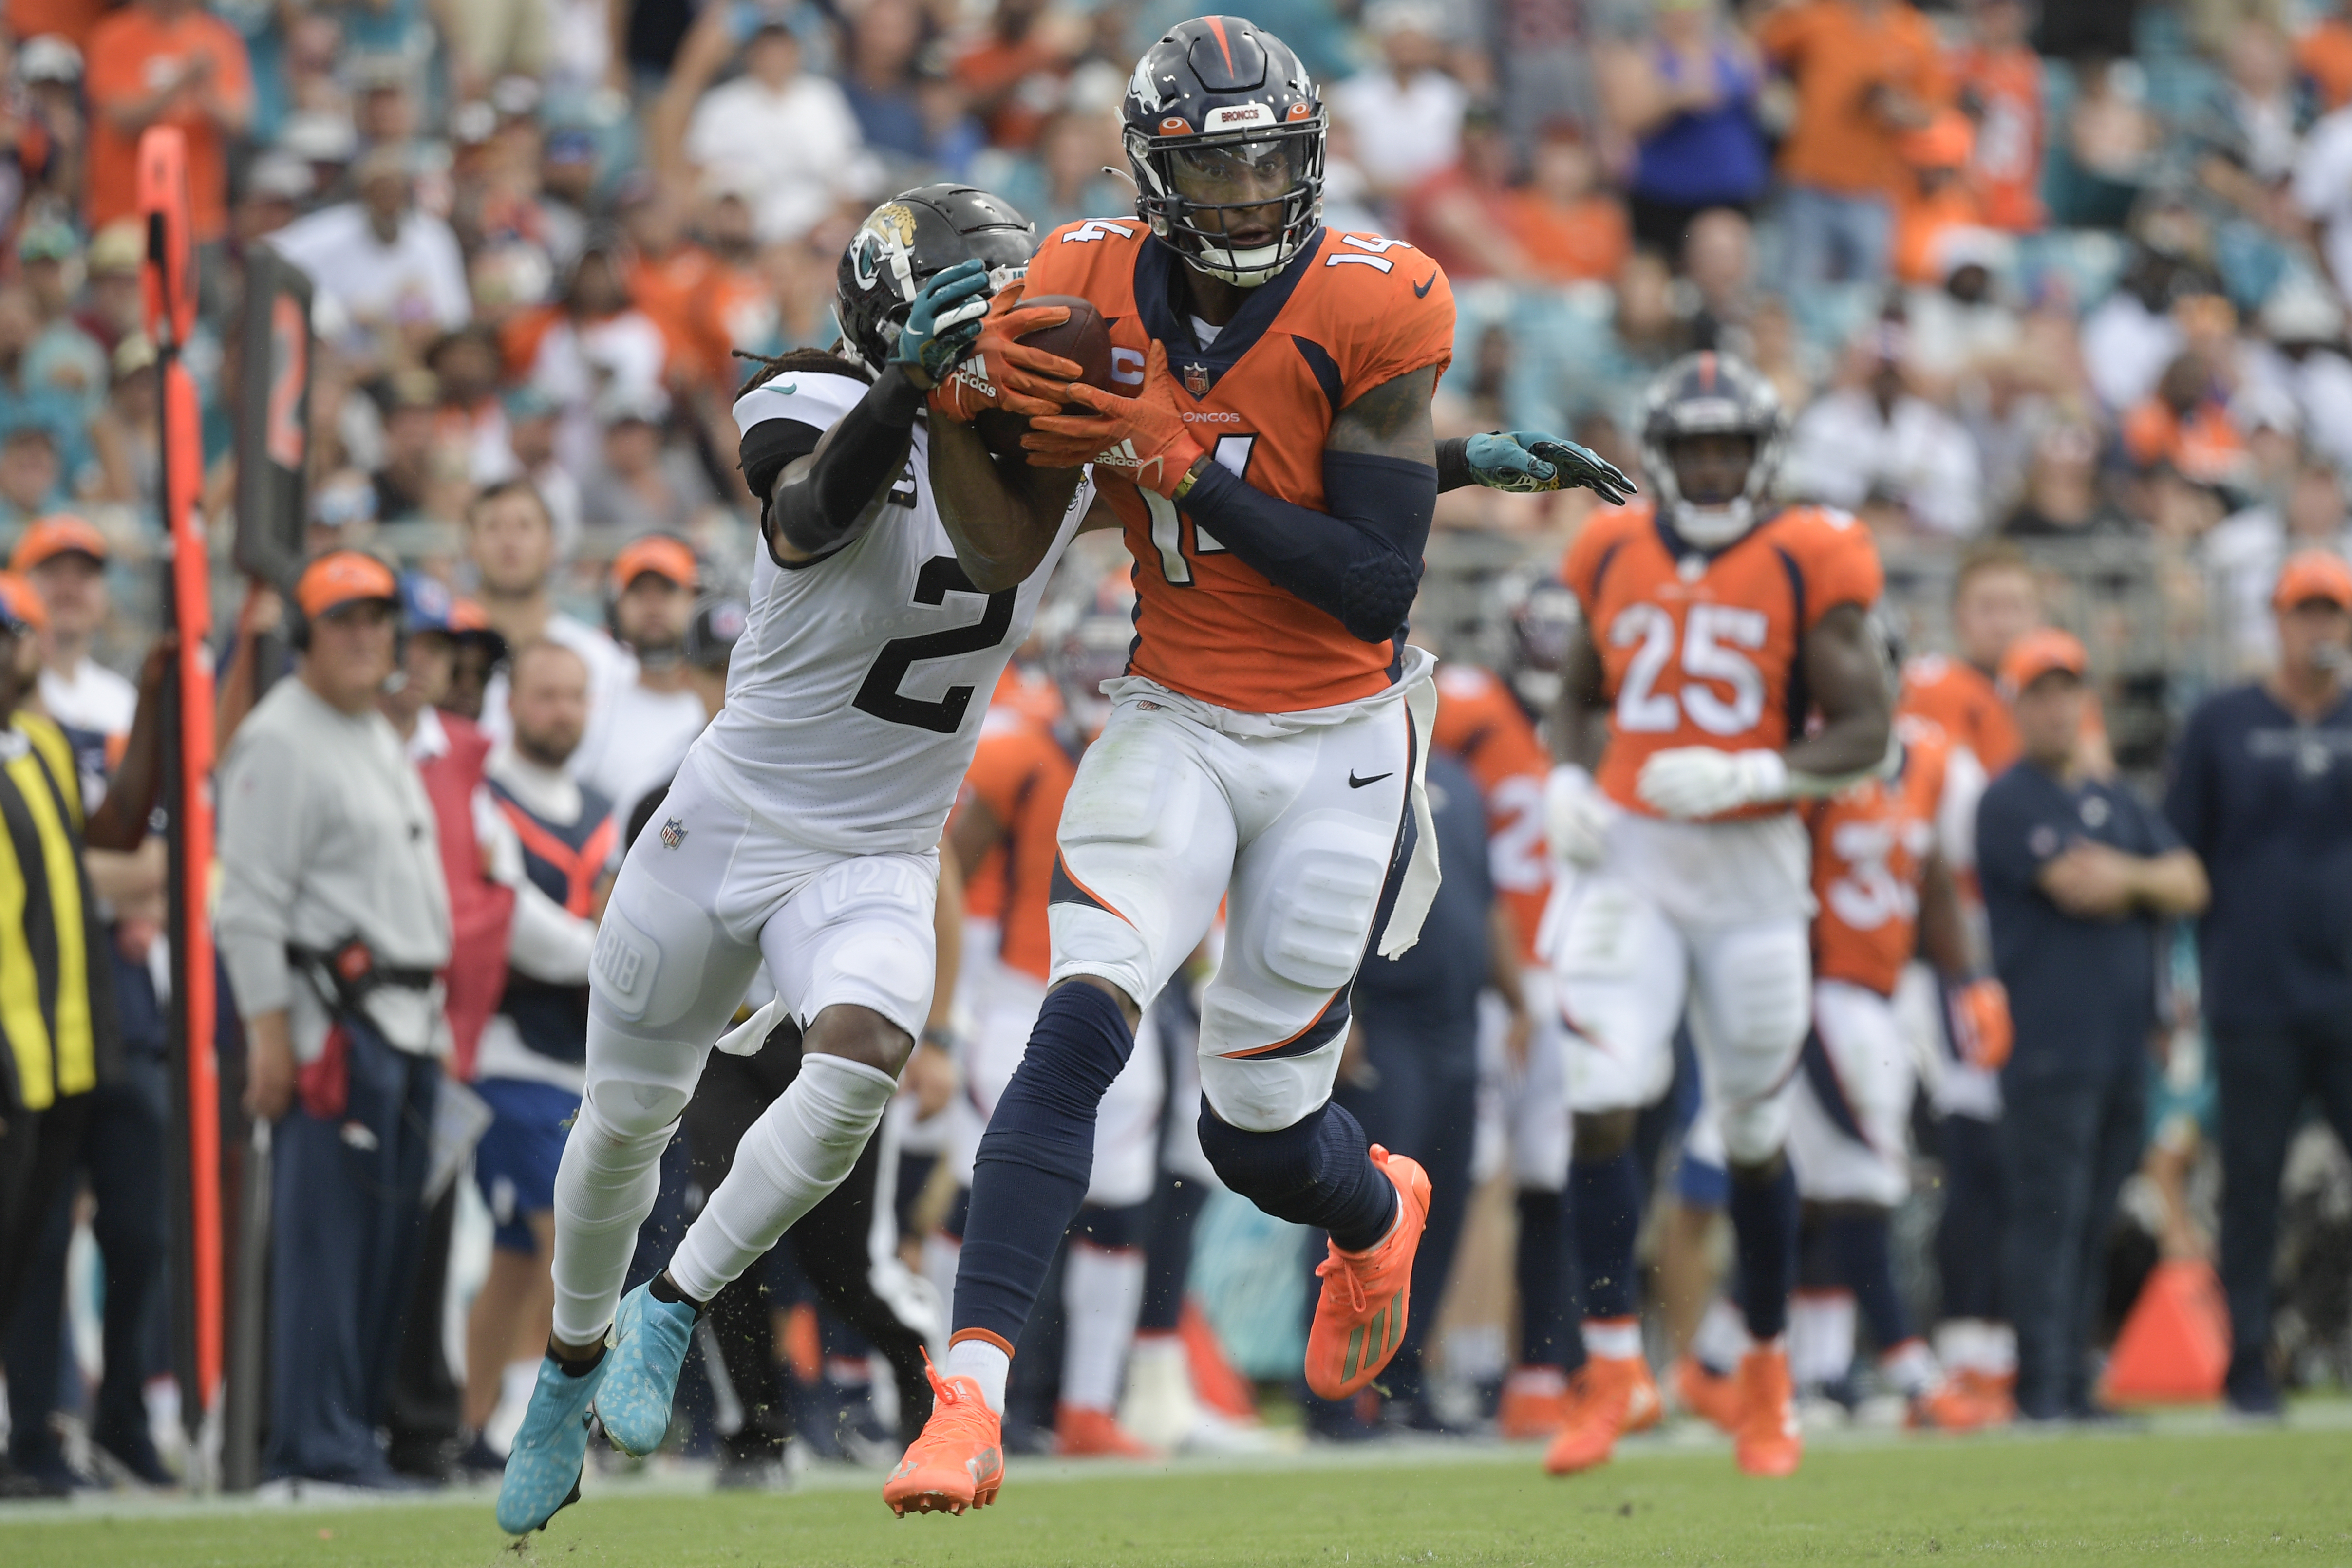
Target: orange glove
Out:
[1142,437]
[1981,1030]
[1004,373]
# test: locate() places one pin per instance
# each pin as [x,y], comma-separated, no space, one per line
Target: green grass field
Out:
[2203,1495]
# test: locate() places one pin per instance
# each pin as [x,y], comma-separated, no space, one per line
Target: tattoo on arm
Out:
[1390,421]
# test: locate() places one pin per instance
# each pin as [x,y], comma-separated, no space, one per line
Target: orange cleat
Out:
[1535,1402]
[1610,1396]
[1996,1391]
[1081,1432]
[1707,1393]
[958,1461]
[1767,1442]
[1360,1316]
[1950,1407]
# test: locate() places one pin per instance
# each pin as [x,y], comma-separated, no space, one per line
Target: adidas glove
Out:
[1695,782]
[943,321]
[1576,816]
[1142,438]
[1003,372]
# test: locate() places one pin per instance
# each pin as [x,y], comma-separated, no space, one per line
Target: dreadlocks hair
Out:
[812,361]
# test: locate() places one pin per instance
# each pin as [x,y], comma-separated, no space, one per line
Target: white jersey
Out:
[856,694]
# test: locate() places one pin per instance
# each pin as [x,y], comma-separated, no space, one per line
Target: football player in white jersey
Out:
[901,568]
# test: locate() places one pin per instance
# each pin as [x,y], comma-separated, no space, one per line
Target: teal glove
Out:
[1525,463]
[944,321]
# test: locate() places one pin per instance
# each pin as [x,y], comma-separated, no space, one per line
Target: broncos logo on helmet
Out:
[1223,122]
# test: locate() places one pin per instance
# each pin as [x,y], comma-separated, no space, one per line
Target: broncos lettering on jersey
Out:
[1482,725]
[1871,845]
[1351,312]
[1021,773]
[1702,649]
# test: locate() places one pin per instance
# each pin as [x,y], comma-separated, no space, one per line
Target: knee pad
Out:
[625,1113]
[1263,1165]
[1754,1131]
[1324,890]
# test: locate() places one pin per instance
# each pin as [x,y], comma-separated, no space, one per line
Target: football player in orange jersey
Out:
[1717,631]
[1480,721]
[1002,835]
[1995,601]
[1884,889]
[1274,469]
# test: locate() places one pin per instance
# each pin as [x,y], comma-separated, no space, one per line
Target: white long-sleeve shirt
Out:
[326,835]
[1841,450]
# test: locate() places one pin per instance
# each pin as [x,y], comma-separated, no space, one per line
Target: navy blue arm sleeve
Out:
[1360,561]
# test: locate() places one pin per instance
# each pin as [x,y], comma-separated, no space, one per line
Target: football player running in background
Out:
[1273,466]
[900,566]
[1885,890]
[1712,630]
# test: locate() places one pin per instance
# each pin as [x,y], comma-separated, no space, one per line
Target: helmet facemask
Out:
[1267,178]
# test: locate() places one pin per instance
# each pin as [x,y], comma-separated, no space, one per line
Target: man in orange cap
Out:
[64,558]
[2261,789]
[650,720]
[334,923]
[2078,873]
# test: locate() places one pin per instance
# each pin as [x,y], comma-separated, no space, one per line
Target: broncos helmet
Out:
[908,238]
[1711,394]
[1221,118]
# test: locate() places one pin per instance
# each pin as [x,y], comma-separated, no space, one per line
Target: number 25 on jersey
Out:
[1701,669]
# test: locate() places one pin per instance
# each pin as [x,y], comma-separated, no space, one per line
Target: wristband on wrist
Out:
[1192,477]
[938,1037]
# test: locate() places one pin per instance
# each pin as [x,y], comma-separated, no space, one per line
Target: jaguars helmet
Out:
[1711,395]
[907,239]
[1221,118]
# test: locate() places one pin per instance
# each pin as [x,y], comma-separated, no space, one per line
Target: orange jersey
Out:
[1021,774]
[1352,312]
[1960,700]
[1482,723]
[1870,847]
[1706,651]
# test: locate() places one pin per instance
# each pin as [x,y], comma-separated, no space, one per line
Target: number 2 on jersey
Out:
[879,695]
[1713,638]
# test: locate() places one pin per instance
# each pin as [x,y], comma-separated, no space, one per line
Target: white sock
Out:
[800,1149]
[985,1365]
[604,1190]
[1101,1293]
[1912,1367]
[1821,1336]
[2000,1350]
[941,1253]
[1615,1339]
[1965,1343]
[1722,1338]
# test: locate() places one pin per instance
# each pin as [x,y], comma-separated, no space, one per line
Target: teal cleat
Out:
[542,1474]
[649,1341]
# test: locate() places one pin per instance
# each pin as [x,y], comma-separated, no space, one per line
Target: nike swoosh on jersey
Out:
[1356,783]
[1421,290]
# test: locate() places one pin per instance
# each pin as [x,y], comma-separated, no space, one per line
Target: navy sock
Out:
[1549,1335]
[1030,1174]
[1764,1231]
[1857,1245]
[1605,1200]
[1317,1172]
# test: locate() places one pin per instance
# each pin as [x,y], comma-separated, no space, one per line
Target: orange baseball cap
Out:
[661,554]
[343,577]
[21,608]
[2039,654]
[2312,574]
[59,533]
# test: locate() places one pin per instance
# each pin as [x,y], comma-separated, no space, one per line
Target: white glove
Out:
[1576,816]
[1694,782]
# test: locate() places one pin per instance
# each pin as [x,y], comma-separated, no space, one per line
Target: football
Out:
[1084,339]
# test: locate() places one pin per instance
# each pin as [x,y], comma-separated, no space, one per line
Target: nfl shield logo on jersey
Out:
[1196,380]
[673,833]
